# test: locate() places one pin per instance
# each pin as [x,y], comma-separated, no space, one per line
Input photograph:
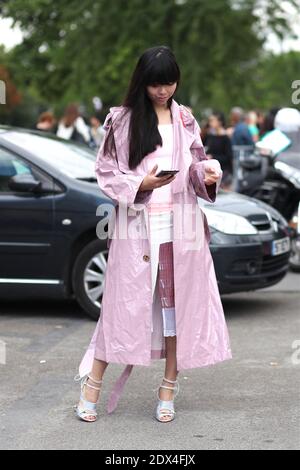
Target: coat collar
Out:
[175,110]
[181,157]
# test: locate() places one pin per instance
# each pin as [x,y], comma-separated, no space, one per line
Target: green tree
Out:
[74,50]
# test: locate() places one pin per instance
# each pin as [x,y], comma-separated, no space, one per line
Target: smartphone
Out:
[167,172]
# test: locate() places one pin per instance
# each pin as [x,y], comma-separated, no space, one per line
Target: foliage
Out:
[74,50]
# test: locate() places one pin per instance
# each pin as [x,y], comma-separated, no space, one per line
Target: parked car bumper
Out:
[249,265]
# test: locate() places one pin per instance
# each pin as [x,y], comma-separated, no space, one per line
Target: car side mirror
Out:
[24,183]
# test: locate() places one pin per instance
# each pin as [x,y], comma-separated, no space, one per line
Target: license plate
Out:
[280,246]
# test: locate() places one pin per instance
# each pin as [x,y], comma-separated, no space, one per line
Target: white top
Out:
[66,132]
[161,199]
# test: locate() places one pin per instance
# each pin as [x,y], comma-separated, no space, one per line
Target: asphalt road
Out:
[250,402]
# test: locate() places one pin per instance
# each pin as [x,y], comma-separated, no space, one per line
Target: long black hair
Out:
[220,116]
[156,66]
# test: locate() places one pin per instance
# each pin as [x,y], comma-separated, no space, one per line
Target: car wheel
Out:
[88,277]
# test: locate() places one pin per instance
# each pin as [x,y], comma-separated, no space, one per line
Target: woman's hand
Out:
[212,173]
[151,181]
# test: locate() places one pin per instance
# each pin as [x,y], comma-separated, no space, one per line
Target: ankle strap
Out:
[78,378]
[85,383]
[170,381]
[174,389]
[91,386]
[96,381]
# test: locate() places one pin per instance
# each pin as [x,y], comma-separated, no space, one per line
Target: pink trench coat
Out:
[123,333]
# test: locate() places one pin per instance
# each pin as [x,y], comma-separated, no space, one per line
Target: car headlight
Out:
[226,222]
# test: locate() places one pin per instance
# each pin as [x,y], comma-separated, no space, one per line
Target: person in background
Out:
[239,132]
[205,130]
[251,121]
[96,130]
[218,146]
[268,122]
[260,119]
[73,127]
[46,122]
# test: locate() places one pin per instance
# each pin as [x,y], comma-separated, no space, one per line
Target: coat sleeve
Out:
[200,161]
[122,188]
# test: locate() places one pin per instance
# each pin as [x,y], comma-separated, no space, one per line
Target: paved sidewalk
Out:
[250,402]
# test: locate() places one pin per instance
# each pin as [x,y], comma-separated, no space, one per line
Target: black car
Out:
[250,242]
[48,244]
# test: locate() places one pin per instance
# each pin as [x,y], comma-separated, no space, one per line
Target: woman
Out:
[163,262]
[72,126]
[251,121]
[218,146]
[96,130]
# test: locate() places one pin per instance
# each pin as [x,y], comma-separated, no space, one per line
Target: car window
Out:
[10,165]
[73,160]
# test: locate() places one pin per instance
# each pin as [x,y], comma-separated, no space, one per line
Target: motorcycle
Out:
[275,180]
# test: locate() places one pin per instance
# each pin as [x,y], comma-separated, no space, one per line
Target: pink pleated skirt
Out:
[161,236]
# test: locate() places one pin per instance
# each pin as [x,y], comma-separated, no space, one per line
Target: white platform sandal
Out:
[165,408]
[86,410]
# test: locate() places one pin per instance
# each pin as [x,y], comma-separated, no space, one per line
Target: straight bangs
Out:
[162,70]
